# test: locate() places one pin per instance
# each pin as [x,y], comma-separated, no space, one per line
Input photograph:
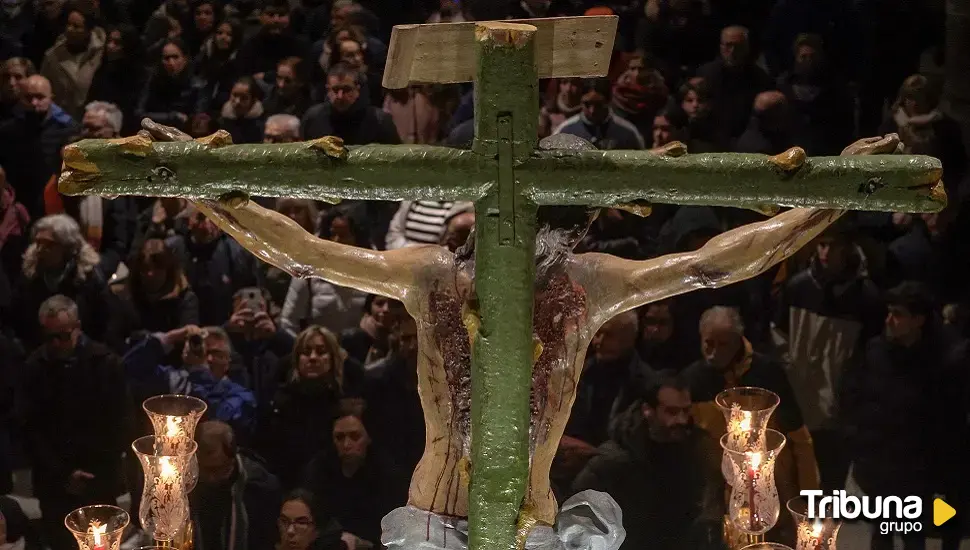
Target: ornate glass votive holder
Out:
[746,412]
[767,546]
[98,527]
[812,534]
[753,506]
[174,419]
[164,505]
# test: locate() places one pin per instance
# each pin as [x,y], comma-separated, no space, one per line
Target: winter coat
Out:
[394,416]
[262,52]
[113,82]
[672,493]
[317,302]
[214,76]
[164,97]
[71,73]
[76,416]
[362,124]
[240,513]
[227,400]
[613,133]
[263,364]
[177,308]
[248,129]
[733,91]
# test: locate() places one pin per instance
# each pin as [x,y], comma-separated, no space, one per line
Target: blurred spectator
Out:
[565,104]
[14,526]
[823,314]
[236,499]
[291,94]
[924,129]
[459,225]
[734,80]
[305,524]
[13,72]
[418,222]
[620,233]
[243,116]
[729,361]
[528,9]
[48,24]
[73,465]
[157,295]
[821,104]
[122,71]
[206,13]
[769,131]
[679,32]
[301,415]
[351,51]
[357,481]
[704,133]
[449,11]
[368,342]
[172,19]
[657,345]
[662,471]
[835,23]
[217,66]
[348,115]
[60,261]
[413,114]
[11,373]
[394,415]
[669,125]
[169,96]
[596,122]
[34,137]
[204,373]
[14,222]
[71,62]
[915,365]
[16,27]
[258,343]
[216,266]
[281,128]
[161,220]
[639,94]
[274,41]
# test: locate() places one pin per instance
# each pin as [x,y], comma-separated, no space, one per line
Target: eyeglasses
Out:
[298,524]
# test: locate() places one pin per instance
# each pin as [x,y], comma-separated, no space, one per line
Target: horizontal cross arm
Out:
[445,52]
[318,169]
[890,183]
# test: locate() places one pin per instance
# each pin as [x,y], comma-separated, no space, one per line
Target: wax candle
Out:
[98,532]
[754,461]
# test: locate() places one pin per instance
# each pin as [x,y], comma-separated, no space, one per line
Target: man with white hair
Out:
[102,120]
[281,129]
[76,418]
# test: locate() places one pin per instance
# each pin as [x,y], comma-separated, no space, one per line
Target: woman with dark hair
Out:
[356,479]
[157,293]
[290,95]
[121,71]
[216,65]
[669,124]
[71,62]
[369,342]
[169,97]
[205,15]
[301,411]
[243,116]
[306,525]
[703,133]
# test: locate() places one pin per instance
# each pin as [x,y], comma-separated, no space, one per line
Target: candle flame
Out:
[745,424]
[97,530]
[817,529]
[171,426]
[167,471]
[754,460]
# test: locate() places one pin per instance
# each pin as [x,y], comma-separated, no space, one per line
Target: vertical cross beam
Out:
[506,115]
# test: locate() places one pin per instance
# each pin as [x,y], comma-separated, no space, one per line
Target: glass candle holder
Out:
[164,505]
[746,412]
[98,527]
[767,546]
[174,418]
[812,534]
[753,506]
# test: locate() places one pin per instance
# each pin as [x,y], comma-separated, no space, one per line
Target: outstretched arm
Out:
[280,241]
[730,257]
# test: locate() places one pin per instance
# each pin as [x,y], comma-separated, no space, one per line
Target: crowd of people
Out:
[314,423]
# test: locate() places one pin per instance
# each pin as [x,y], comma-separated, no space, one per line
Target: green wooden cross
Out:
[507,178]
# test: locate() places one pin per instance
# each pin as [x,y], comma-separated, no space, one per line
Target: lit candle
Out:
[98,531]
[171,426]
[754,461]
[167,471]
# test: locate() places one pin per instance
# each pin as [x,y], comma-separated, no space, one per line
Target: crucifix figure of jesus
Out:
[504,323]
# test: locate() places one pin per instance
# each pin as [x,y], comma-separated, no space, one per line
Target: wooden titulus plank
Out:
[445,52]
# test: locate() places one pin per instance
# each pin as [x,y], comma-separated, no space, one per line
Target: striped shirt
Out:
[425,221]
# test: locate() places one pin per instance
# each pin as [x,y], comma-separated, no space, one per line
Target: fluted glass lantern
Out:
[164,505]
[812,534]
[746,412]
[754,506]
[174,418]
[767,546]
[98,527]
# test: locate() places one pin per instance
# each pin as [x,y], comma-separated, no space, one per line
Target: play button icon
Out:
[942,512]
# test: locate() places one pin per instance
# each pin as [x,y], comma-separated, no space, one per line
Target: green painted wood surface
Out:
[507,111]
[600,178]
